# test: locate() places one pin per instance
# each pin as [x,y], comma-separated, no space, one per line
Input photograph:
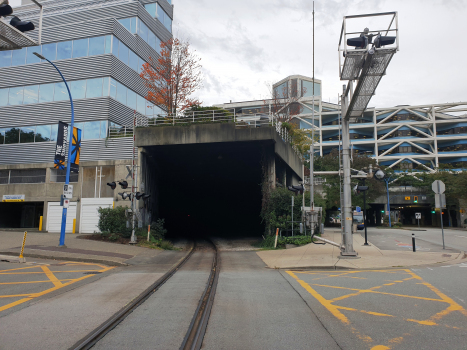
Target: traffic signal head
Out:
[357,189]
[5,10]
[415,199]
[296,189]
[384,40]
[361,42]
[112,185]
[125,195]
[432,211]
[123,184]
[21,25]
[139,195]
[382,211]
[146,196]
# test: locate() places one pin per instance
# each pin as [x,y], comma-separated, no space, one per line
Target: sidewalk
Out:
[369,257]
[45,245]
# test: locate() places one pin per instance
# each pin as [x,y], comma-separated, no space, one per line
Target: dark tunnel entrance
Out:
[207,189]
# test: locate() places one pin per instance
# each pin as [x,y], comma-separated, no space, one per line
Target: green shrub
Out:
[113,221]
[167,245]
[268,241]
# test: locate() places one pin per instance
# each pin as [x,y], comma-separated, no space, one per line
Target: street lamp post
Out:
[67,178]
[381,176]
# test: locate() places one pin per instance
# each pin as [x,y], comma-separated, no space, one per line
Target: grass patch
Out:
[268,242]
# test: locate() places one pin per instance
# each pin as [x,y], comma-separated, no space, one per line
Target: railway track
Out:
[195,334]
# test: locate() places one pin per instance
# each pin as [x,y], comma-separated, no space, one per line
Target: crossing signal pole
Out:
[366,64]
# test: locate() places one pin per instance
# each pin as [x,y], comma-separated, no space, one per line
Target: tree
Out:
[173,77]
[284,102]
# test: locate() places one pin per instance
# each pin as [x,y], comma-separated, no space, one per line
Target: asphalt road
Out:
[389,309]
[429,240]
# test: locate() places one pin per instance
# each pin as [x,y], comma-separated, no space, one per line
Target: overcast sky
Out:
[247,44]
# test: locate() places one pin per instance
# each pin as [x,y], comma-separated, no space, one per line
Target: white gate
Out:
[54,217]
[89,217]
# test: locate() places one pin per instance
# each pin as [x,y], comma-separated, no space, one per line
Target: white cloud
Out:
[245,43]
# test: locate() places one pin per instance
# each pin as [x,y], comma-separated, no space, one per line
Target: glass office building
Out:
[100,47]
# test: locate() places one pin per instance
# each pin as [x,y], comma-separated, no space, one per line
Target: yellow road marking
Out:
[334,309]
[58,283]
[323,301]
[51,276]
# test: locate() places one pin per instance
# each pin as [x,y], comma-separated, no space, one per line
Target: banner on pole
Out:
[60,148]
[75,150]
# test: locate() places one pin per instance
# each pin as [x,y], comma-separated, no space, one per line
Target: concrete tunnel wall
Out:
[215,133]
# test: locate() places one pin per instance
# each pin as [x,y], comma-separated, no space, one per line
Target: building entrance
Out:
[20,215]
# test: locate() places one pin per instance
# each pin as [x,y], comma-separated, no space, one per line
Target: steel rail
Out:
[195,335]
[97,334]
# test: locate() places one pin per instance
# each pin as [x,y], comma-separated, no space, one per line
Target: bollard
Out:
[40,223]
[277,233]
[413,243]
[74,225]
[21,257]
[149,231]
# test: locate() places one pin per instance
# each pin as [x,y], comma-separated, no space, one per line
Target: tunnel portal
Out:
[208,189]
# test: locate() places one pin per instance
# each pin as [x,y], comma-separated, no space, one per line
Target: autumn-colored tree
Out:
[284,102]
[173,77]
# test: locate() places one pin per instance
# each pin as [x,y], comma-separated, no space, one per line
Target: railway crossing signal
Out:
[123,184]
[296,189]
[112,185]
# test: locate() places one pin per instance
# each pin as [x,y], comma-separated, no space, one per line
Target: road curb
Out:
[64,258]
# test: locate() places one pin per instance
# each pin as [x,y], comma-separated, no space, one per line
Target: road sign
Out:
[66,203]
[358,209]
[438,187]
[440,201]
[418,216]
[68,191]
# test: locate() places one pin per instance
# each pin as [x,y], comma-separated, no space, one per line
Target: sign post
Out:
[438,188]
[418,216]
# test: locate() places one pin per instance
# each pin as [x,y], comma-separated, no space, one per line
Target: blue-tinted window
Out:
[3,97]
[11,135]
[113,88]
[53,136]
[106,87]
[91,130]
[115,43]
[96,45]
[27,134]
[80,48]
[30,57]
[5,58]
[2,136]
[121,93]
[94,87]
[123,53]
[64,50]
[46,92]
[134,21]
[49,51]
[307,88]
[151,8]
[103,134]
[77,88]
[126,22]
[43,133]
[108,43]
[61,93]
[143,30]
[152,40]
[15,97]
[164,18]
[31,94]
[141,107]
[133,61]
[19,57]
[131,99]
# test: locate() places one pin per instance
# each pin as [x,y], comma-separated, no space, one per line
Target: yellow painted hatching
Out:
[50,278]
[335,309]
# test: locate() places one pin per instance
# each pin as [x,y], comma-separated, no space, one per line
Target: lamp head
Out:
[39,55]
[379,175]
